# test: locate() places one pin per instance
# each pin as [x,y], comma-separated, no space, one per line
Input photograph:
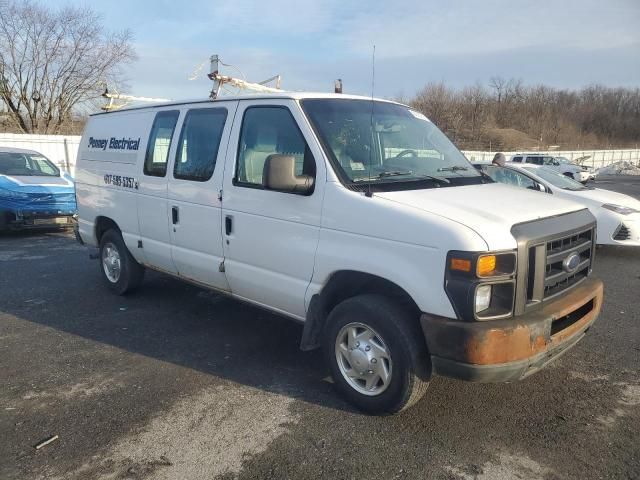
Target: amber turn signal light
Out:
[460,264]
[486,265]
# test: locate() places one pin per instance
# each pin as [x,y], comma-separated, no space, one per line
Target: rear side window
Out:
[516,159]
[199,143]
[155,161]
[268,131]
[534,160]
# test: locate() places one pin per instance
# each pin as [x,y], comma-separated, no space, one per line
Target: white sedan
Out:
[618,215]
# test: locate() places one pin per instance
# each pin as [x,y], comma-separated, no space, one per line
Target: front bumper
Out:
[511,349]
[626,231]
[26,220]
[581,176]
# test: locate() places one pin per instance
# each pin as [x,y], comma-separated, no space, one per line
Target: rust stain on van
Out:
[515,339]
[505,345]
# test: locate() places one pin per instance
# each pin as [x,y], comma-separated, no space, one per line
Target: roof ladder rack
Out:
[220,80]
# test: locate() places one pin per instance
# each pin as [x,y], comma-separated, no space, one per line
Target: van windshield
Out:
[385,143]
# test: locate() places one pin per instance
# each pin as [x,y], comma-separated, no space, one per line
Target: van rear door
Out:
[195,182]
[153,215]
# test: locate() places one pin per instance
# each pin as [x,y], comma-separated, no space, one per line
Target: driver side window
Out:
[269,131]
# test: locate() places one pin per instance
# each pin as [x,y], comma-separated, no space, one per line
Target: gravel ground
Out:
[178,383]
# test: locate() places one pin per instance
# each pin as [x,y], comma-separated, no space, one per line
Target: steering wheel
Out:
[406,152]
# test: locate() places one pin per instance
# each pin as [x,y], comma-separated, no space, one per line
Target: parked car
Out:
[357,217]
[573,171]
[618,215]
[34,193]
[576,163]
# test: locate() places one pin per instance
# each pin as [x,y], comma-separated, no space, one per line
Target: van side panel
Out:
[107,174]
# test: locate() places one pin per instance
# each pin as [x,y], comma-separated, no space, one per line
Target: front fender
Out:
[418,270]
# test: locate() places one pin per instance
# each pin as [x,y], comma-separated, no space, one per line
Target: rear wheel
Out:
[119,269]
[376,354]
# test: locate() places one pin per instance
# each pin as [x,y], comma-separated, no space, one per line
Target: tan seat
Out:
[254,157]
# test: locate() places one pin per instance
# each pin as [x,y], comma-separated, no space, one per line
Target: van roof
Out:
[250,96]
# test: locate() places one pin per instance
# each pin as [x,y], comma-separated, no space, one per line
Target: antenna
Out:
[373,84]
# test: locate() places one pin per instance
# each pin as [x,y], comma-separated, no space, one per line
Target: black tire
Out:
[403,338]
[131,272]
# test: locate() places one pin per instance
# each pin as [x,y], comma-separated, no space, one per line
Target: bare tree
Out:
[474,106]
[498,84]
[514,116]
[53,62]
[439,104]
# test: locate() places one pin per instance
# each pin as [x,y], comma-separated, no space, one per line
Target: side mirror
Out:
[279,174]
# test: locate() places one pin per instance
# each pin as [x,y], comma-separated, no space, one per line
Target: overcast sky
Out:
[563,43]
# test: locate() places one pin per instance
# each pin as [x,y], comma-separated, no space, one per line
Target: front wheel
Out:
[119,269]
[376,354]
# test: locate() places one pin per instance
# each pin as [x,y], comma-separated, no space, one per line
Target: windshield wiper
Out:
[391,173]
[455,168]
[381,175]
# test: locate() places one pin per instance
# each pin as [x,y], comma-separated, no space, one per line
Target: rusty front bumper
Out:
[511,349]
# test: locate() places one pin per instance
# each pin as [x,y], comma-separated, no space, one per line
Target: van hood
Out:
[488,209]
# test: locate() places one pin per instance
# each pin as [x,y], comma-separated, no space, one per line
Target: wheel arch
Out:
[102,224]
[345,284]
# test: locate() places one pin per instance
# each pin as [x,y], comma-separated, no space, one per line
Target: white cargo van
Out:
[354,216]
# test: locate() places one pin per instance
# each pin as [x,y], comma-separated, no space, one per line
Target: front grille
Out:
[560,324]
[622,233]
[558,276]
[561,270]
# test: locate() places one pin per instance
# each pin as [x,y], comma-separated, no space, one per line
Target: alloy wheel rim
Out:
[363,359]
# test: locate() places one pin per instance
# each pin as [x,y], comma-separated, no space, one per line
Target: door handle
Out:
[228,224]
[174,214]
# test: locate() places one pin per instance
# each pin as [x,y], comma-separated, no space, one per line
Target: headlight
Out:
[620,209]
[12,195]
[481,285]
[483,298]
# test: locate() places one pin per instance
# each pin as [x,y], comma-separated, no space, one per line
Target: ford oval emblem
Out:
[571,263]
